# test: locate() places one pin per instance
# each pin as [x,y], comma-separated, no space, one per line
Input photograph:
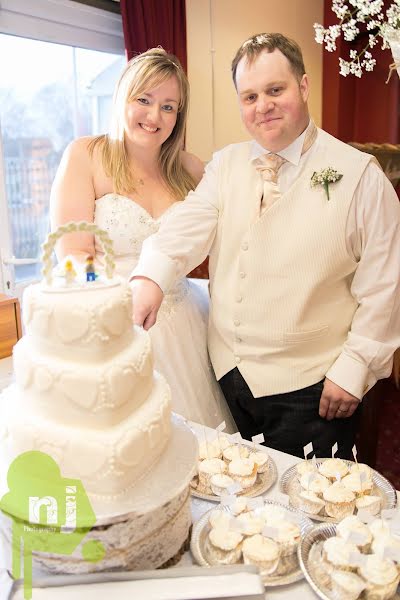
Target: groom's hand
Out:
[336,403]
[147,297]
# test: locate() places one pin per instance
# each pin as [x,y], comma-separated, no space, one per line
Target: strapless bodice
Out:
[128,224]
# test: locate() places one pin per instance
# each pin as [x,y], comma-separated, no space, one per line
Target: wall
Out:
[215,29]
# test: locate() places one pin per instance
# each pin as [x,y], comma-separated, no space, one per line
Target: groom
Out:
[303,236]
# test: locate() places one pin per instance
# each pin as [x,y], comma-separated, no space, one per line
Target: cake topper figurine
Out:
[69,271]
[90,272]
[71,227]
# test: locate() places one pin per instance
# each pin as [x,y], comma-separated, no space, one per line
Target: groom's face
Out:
[273,102]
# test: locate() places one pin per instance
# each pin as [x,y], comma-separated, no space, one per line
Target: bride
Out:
[126,182]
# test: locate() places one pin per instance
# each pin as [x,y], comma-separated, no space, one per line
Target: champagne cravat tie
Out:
[268,166]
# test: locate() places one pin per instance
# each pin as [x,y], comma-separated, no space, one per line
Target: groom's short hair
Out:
[254,45]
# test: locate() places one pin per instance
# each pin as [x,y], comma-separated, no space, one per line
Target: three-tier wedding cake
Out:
[86,394]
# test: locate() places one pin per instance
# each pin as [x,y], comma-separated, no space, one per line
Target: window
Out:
[50,93]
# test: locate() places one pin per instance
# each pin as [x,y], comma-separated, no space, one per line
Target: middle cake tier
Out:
[107,391]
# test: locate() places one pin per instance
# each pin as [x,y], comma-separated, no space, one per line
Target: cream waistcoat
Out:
[281,306]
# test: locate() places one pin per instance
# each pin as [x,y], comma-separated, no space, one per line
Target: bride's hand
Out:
[147,298]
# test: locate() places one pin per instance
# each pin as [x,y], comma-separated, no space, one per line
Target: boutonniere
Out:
[324,178]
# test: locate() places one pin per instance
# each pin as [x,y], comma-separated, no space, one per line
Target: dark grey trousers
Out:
[288,421]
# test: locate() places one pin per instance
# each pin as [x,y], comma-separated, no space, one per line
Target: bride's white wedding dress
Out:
[179,337]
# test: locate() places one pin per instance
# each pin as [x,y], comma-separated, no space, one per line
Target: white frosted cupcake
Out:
[370,503]
[222,442]
[353,482]
[332,467]
[261,551]
[271,513]
[288,536]
[238,506]
[383,542]
[305,466]
[337,554]
[249,523]
[220,483]
[314,482]
[244,471]
[208,468]
[224,547]
[261,459]
[220,519]
[340,502]
[235,451]
[353,526]
[381,577]
[362,468]
[346,585]
[209,450]
[379,527]
[310,502]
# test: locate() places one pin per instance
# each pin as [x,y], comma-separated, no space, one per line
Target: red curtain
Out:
[151,23]
[359,109]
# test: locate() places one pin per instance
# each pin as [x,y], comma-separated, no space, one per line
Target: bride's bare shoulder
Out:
[193,165]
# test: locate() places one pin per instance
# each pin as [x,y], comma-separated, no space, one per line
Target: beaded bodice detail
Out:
[128,224]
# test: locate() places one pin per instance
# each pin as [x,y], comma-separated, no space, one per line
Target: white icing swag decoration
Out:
[73,227]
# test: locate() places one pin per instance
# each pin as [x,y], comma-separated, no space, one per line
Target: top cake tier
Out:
[88,323]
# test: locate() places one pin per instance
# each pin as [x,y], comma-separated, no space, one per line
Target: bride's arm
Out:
[73,199]
[193,165]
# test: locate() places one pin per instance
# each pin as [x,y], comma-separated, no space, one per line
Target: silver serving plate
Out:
[291,571]
[263,483]
[309,555]
[290,485]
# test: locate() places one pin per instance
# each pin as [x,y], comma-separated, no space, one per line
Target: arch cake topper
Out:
[72,227]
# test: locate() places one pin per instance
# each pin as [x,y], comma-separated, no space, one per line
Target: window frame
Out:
[61,22]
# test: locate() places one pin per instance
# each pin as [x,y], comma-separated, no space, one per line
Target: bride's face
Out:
[150,118]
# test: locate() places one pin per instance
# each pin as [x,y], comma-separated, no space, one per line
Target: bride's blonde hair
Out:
[144,72]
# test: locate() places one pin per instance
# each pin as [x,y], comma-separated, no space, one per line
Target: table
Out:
[283,461]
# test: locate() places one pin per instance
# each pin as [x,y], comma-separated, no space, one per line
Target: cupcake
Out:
[337,554]
[288,537]
[271,513]
[208,468]
[220,519]
[379,527]
[233,452]
[305,466]
[261,459]
[381,577]
[346,585]
[262,552]
[244,471]
[383,543]
[209,450]
[310,502]
[332,467]
[361,468]
[222,442]
[340,502]
[249,524]
[353,482]
[224,547]
[238,506]
[372,504]
[220,483]
[351,528]
[314,482]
